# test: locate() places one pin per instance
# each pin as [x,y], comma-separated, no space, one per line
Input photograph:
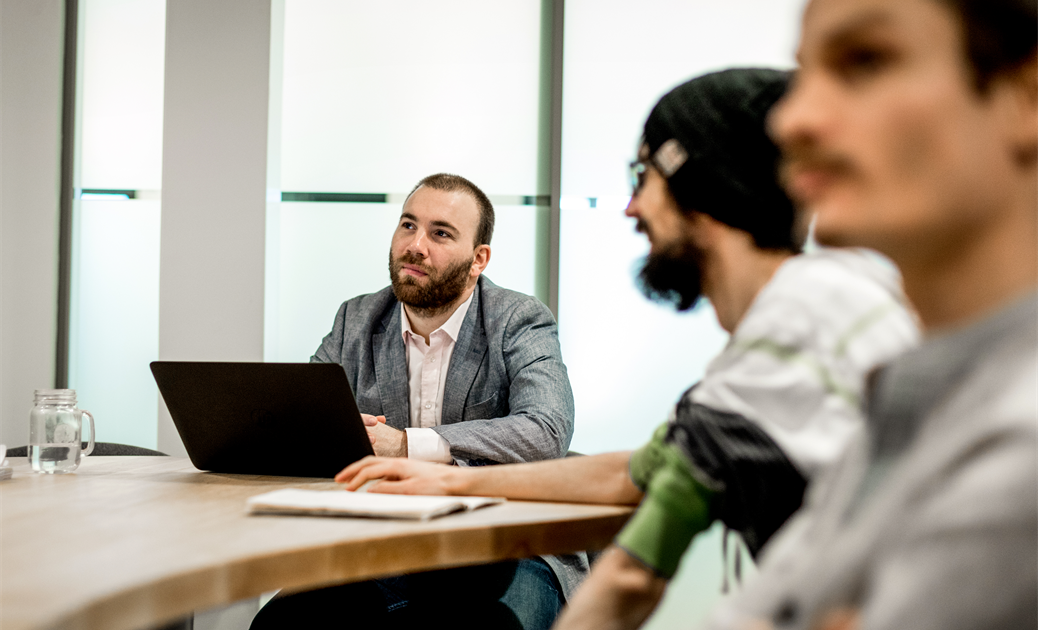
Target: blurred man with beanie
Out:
[773,409]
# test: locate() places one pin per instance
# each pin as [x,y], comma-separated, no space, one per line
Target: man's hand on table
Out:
[399,476]
[385,440]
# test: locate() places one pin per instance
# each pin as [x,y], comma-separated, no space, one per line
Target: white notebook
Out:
[5,470]
[343,503]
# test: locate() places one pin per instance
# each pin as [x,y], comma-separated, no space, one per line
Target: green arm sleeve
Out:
[676,507]
[647,460]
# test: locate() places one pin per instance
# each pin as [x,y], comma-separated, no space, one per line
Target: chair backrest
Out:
[100,448]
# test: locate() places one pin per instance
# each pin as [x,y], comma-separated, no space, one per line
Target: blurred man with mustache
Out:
[448,367]
[912,128]
[774,409]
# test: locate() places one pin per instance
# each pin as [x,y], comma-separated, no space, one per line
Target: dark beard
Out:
[672,276]
[440,292]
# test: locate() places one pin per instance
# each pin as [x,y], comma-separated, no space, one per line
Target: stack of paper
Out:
[343,503]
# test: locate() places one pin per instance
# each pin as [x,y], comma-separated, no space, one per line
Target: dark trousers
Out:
[519,594]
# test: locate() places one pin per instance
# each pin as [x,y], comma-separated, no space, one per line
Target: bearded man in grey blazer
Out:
[448,367]
[492,388]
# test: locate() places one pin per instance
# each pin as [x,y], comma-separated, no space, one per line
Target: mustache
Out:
[408,258]
[808,156]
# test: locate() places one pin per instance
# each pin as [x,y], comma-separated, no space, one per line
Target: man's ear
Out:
[480,260]
[1021,86]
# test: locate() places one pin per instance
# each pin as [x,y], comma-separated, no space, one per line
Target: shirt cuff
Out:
[428,445]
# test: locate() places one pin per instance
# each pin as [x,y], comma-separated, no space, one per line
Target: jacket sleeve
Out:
[705,465]
[677,505]
[758,487]
[539,420]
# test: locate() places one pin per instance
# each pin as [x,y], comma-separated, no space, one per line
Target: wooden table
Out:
[132,542]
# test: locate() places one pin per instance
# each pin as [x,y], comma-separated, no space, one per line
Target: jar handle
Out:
[90,444]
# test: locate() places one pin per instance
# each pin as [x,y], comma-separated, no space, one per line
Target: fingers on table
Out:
[389,469]
[361,467]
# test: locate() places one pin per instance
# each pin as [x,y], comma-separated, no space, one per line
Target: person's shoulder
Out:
[847,274]
[370,306]
[1004,385]
[830,288]
[836,303]
[497,300]
[1017,402]
[985,435]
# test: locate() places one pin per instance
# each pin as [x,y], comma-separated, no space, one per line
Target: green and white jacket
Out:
[774,409]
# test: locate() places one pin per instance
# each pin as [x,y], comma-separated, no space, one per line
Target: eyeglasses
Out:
[667,160]
[637,175]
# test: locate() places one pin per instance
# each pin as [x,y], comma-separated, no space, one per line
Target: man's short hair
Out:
[452,183]
[708,138]
[999,35]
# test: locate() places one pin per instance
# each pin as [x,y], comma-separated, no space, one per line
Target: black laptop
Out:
[285,419]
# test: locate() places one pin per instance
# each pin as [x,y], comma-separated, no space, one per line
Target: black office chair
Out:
[100,448]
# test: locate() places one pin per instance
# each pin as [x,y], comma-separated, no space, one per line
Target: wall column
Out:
[214,185]
[31,44]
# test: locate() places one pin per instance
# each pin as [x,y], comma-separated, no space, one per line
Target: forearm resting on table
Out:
[620,593]
[590,479]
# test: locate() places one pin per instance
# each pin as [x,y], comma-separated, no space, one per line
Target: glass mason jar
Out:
[56,432]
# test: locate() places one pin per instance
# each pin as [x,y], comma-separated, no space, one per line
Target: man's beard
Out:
[672,276]
[441,290]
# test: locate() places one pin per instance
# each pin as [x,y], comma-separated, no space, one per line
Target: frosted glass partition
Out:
[115,317]
[609,91]
[621,58]
[115,249]
[517,252]
[330,252]
[630,360]
[123,50]
[378,95]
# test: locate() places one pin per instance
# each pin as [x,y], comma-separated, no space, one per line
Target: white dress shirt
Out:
[427,365]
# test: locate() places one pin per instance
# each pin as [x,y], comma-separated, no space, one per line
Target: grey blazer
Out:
[507,398]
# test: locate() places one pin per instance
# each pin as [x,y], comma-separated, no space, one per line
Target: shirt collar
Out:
[451,327]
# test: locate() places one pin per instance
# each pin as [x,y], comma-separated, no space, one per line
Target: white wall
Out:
[31,44]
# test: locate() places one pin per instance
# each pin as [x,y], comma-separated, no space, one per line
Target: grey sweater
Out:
[931,519]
